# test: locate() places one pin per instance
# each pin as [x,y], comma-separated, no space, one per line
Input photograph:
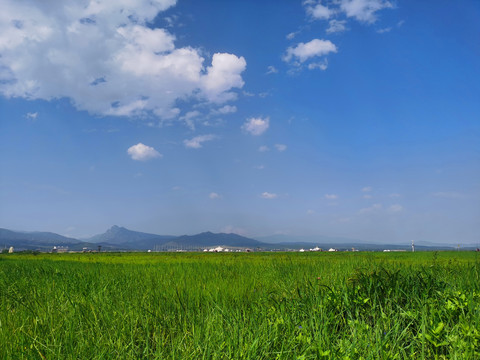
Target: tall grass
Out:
[240,306]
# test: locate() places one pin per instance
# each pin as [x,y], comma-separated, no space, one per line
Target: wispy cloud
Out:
[331,196]
[272,70]
[280,147]
[32,116]
[267,195]
[395,208]
[449,195]
[197,141]
[227,109]
[371,209]
[213,195]
[336,26]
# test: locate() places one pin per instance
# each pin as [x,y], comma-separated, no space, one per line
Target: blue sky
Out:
[351,118]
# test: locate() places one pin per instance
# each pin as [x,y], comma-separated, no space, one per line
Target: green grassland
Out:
[420,305]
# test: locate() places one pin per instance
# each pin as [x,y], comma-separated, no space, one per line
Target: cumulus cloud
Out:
[305,51]
[267,195]
[106,60]
[256,126]
[280,147]
[143,152]
[222,76]
[197,141]
[331,196]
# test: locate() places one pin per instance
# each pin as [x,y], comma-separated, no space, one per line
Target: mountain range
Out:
[121,239]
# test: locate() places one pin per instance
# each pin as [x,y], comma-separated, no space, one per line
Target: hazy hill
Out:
[117,235]
[120,238]
[209,239]
[35,240]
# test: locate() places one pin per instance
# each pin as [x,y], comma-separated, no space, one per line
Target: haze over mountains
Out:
[119,238]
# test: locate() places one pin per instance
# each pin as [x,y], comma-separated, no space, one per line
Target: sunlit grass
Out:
[240,306]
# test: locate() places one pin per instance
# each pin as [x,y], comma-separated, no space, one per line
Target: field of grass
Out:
[420,305]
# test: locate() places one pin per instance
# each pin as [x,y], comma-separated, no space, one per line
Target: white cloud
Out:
[449,195]
[395,208]
[364,10]
[384,30]
[394,195]
[291,35]
[367,196]
[260,167]
[143,152]
[310,212]
[256,126]
[323,65]
[227,109]
[272,70]
[280,147]
[105,59]
[32,116]
[189,117]
[373,208]
[196,142]
[331,196]
[320,11]
[267,195]
[222,76]
[367,189]
[263,148]
[213,195]
[305,51]
[336,26]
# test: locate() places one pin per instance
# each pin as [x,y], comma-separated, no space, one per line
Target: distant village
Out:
[217,249]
